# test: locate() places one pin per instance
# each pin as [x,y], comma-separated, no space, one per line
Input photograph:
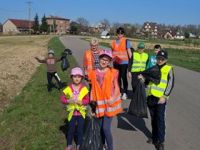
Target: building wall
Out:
[9,28]
[61,25]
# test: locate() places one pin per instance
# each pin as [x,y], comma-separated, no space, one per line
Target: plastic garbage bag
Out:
[92,136]
[92,139]
[152,74]
[138,104]
[64,60]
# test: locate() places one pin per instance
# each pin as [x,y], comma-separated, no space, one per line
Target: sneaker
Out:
[69,147]
[124,96]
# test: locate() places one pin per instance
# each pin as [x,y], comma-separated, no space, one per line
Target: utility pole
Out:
[29,15]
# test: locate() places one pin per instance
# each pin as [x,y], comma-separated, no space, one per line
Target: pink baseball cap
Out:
[107,53]
[76,71]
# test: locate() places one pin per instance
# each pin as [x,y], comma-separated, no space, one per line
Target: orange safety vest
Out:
[88,60]
[119,50]
[103,94]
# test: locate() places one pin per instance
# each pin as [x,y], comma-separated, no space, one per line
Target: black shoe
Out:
[150,141]
[160,146]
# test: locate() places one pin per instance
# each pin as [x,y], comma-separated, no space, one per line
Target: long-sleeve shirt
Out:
[50,62]
[75,92]
[170,83]
[152,61]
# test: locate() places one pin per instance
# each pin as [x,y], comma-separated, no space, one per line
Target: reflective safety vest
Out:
[88,60]
[102,94]
[158,90]
[75,107]
[120,50]
[139,62]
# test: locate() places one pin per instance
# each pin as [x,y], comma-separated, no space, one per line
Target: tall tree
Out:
[74,28]
[36,24]
[44,25]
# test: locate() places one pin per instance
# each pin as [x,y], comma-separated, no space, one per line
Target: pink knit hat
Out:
[77,71]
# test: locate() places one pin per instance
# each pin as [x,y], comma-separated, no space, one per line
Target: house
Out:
[105,35]
[169,34]
[179,36]
[58,25]
[191,35]
[150,29]
[17,26]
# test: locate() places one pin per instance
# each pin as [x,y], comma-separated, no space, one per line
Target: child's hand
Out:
[79,102]
[71,100]
[140,76]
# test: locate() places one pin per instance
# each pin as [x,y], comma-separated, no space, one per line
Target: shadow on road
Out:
[129,122]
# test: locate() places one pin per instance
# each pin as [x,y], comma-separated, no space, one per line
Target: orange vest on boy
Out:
[119,50]
[102,94]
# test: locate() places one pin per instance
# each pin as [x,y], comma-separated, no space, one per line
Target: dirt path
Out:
[17,63]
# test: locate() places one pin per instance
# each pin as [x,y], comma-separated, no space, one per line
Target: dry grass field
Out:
[17,63]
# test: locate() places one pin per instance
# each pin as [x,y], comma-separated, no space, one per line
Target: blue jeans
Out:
[157,112]
[79,121]
[105,124]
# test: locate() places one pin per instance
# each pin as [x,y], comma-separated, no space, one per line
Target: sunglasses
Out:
[160,58]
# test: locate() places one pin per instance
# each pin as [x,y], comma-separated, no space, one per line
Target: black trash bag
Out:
[152,74]
[64,60]
[92,136]
[68,51]
[138,104]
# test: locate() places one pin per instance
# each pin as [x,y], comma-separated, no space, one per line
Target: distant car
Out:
[105,35]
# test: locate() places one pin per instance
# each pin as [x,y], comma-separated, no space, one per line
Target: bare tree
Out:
[105,24]
[82,21]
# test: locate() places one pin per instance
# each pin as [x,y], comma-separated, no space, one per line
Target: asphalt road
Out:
[182,115]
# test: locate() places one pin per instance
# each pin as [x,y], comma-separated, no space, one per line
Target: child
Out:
[76,96]
[152,59]
[51,61]
[158,95]
[105,91]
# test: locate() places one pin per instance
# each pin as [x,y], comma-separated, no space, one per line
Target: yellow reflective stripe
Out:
[158,88]
[163,81]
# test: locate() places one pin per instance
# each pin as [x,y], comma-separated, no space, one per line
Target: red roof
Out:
[21,23]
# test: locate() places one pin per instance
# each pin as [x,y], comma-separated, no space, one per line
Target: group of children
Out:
[105,91]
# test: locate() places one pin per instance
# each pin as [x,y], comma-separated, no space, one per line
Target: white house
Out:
[105,35]
[14,26]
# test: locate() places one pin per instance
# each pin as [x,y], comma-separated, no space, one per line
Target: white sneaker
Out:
[124,96]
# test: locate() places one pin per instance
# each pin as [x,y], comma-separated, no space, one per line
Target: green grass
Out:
[32,120]
[187,58]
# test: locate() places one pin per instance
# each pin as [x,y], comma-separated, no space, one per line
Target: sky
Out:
[173,12]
